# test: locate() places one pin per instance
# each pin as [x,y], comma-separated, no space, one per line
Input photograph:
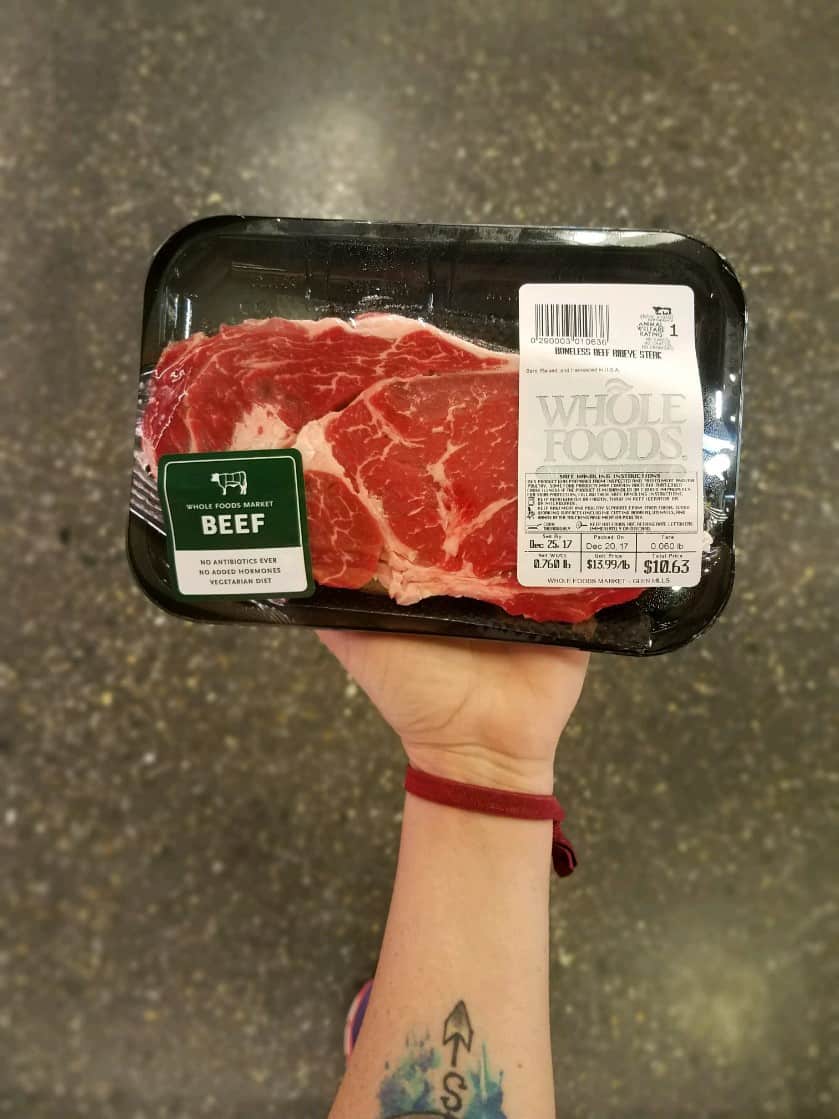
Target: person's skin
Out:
[458,1023]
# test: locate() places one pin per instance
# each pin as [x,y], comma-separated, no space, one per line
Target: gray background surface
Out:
[198,825]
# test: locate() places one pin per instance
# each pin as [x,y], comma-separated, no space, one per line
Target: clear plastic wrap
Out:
[459,287]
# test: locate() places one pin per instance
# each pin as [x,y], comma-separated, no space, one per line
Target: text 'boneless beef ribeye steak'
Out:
[408,437]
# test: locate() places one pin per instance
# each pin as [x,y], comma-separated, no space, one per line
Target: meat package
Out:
[385,358]
[408,440]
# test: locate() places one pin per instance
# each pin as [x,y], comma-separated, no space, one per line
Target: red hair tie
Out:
[496,802]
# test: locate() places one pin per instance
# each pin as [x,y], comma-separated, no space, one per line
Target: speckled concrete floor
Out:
[184,914]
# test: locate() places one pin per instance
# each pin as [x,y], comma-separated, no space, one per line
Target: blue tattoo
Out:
[431,1083]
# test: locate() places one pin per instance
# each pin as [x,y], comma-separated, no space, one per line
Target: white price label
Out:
[610,437]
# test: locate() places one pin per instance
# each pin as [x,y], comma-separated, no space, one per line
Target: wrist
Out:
[475,765]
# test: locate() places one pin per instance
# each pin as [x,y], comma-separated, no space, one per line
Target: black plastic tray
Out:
[464,279]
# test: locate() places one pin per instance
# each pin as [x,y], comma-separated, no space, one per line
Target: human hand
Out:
[478,711]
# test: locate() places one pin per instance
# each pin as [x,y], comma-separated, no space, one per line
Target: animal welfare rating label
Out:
[236,524]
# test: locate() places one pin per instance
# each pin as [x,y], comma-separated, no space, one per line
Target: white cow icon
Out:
[237,478]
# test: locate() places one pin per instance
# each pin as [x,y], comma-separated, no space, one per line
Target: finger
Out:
[338,641]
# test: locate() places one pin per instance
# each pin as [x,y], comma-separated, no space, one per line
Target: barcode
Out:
[571,320]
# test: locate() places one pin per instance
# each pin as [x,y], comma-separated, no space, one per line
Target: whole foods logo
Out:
[618,425]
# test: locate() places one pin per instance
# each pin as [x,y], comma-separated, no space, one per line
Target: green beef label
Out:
[236,524]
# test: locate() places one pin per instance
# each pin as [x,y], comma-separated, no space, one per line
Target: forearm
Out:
[468,924]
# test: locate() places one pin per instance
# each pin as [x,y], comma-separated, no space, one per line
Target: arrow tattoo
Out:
[458,1031]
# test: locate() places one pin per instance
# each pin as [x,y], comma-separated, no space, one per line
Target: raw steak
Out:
[254,386]
[408,437]
[414,484]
